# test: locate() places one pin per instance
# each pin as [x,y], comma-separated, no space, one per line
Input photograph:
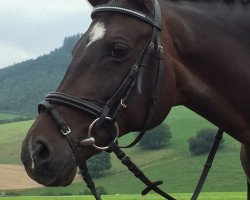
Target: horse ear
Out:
[97,2]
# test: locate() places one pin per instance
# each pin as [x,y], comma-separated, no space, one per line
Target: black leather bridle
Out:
[118,101]
[106,116]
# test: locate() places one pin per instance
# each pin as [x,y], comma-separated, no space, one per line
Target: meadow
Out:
[174,165]
[179,196]
[7,116]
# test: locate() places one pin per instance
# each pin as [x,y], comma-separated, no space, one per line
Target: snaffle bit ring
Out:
[90,133]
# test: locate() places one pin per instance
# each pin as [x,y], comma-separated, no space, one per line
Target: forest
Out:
[25,84]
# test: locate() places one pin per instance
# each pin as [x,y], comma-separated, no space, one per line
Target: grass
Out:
[179,196]
[173,165]
[12,135]
[7,116]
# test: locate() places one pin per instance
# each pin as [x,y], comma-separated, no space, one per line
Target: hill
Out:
[173,165]
[25,84]
[4,116]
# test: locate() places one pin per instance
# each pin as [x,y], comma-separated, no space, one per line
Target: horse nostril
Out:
[41,152]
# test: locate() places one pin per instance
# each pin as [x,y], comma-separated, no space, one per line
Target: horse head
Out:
[107,70]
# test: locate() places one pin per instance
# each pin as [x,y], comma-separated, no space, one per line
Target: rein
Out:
[107,116]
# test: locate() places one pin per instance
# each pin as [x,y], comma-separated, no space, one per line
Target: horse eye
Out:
[119,50]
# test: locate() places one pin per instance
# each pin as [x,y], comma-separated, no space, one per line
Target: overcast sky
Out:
[30,28]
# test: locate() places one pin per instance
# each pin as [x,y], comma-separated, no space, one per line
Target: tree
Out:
[26,84]
[156,138]
[203,141]
[99,164]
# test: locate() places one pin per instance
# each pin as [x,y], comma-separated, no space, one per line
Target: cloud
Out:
[30,28]
[19,54]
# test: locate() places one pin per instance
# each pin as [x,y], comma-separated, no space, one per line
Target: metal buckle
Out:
[92,126]
[124,105]
[66,132]
[160,52]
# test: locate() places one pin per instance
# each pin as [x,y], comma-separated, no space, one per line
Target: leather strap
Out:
[128,11]
[208,164]
[138,173]
[66,132]
[155,40]
[73,102]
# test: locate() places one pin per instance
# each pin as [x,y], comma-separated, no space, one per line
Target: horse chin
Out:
[52,177]
[65,176]
[64,179]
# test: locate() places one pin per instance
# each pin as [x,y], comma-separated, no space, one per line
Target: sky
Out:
[30,28]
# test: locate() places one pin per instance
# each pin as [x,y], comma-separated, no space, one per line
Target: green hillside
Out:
[4,116]
[25,84]
[12,135]
[173,165]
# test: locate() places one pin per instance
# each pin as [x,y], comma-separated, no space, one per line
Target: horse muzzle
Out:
[43,166]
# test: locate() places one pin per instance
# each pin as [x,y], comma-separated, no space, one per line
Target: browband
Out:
[134,13]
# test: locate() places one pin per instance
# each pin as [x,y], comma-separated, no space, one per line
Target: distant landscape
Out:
[174,164]
[25,84]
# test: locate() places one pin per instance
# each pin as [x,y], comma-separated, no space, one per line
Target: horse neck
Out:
[204,61]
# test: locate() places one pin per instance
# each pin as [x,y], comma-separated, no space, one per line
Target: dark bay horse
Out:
[206,68]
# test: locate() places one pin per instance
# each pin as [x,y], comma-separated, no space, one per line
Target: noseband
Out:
[107,115]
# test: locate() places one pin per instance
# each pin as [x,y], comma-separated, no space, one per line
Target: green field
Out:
[173,165]
[11,135]
[7,116]
[203,196]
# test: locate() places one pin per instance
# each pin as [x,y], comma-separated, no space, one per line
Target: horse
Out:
[203,47]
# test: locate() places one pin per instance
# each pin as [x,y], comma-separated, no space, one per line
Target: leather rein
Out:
[106,116]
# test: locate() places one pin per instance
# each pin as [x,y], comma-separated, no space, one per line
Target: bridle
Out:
[106,116]
[118,101]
